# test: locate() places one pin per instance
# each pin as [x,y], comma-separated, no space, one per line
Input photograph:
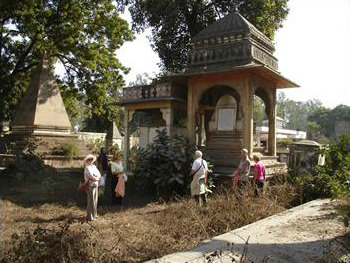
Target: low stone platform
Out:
[301,234]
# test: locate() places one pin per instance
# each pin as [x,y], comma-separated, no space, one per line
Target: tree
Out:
[175,22]
[327,118]
[141,79]
[296,113]
[82,35]
[259,111]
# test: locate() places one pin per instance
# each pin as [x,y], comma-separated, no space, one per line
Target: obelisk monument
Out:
[41,111]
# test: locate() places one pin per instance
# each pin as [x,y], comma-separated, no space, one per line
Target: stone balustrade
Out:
[147,92]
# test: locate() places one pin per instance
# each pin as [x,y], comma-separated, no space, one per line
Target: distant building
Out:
[261,133]
[304,155]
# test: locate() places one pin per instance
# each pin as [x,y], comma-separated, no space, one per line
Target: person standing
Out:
[241,174]
[199,171]
[118,179]
[91,177]
[259,175]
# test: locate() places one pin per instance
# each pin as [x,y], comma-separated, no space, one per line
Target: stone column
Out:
[272,124]
[127,117]
[200,128]
[248,103]
[168,116]
[191,110]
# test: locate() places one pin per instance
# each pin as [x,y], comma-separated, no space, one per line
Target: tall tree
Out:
[327,118]
[83,35]
[296,113]
[175,22]
[259,113]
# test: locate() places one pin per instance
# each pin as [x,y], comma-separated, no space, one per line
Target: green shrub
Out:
[284,142]
[96,144]
[25,166]
[67,148]
[164,166]
[330,180]
[310,187]
[338,166]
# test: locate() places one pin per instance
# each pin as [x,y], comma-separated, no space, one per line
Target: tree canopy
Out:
[83,35]
[311,116]
[175,22]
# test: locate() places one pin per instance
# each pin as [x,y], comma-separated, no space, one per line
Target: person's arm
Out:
[92,173]
[194,168]
[86,174]
[256,171]
[205,175]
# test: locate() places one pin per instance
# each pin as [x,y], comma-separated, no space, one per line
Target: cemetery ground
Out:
[42,220]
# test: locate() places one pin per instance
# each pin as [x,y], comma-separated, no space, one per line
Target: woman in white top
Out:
[199,172]
[91,176]
[118,179]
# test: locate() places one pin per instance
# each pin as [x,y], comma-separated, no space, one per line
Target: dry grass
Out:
[56,232]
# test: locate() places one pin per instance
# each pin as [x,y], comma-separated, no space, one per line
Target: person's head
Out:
[118,156]
[198,154]
[256,158]
[89,159]
[244,152]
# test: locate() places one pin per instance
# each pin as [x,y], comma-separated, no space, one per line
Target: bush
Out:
[309,187]
[330,180]
[165,165]
[24,166]
[338,165]
[96,144]
[67,148]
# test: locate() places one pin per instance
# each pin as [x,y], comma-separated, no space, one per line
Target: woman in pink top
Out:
[259,174]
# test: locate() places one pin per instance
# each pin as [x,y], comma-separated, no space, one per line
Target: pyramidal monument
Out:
[41,111]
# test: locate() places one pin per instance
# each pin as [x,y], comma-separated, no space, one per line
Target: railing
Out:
[147,92]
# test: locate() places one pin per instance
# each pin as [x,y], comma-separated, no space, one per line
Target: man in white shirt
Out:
[199,172]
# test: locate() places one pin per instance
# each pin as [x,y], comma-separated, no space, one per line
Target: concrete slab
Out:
[296,235]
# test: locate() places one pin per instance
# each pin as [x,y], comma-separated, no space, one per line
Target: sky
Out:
[312,47]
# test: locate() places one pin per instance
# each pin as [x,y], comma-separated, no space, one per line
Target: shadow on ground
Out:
[62,188]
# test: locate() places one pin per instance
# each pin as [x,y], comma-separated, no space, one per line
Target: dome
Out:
[229,42]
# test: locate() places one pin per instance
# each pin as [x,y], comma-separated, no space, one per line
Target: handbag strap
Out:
[198,168]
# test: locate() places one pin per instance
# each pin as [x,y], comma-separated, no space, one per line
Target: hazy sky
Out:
[313,49]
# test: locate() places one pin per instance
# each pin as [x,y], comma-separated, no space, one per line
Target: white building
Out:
[261,133]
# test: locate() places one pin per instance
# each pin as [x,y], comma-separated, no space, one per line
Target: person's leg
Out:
[89,207]
[261,187]
[114,182]
[119,200]
[95,201]
[203,199]
[256,192]
[196,197]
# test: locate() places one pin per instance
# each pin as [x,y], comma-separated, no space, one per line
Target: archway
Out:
[261,120]
[218,111]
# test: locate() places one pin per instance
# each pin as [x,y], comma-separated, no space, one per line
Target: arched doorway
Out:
[262,120]
[218,112]
[219,126]
[225,114]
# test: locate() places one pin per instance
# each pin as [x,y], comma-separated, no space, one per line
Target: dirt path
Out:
[302,234]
